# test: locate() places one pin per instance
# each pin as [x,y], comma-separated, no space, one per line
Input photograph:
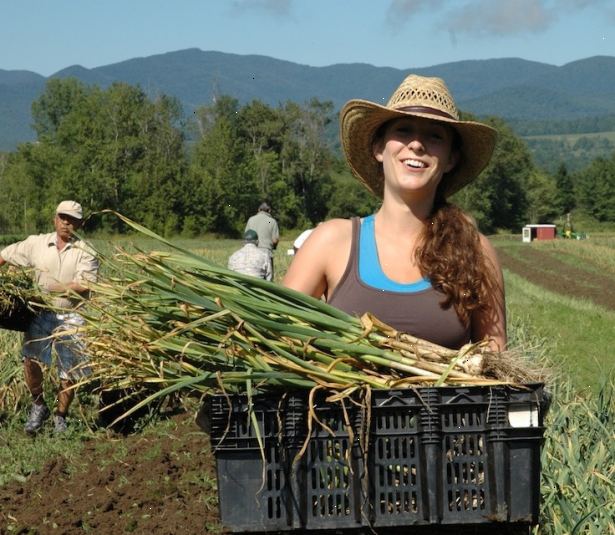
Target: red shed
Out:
[538,232]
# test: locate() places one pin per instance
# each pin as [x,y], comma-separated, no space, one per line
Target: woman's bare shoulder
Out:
[328,240]
[321,260]
[333,231]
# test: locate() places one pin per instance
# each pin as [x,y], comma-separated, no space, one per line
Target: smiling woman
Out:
[419,263]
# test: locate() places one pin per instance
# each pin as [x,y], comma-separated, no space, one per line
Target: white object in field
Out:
[301,238]
[523,416]
[527,234]
[290,252]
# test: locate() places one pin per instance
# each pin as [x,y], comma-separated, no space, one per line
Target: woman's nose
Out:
[415,142]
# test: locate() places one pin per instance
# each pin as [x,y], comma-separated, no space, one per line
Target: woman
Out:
[419,263]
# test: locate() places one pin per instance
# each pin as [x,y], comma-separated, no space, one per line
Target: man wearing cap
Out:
[267,229]
[250,259]
[63,267]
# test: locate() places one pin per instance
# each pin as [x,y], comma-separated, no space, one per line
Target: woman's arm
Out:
[492,323]
[320,262]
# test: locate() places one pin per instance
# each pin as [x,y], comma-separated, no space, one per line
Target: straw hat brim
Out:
[360,119]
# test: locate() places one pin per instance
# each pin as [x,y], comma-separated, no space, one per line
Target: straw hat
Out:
[417,96]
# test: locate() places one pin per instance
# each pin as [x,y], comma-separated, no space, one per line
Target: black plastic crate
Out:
[252,480]
[272,487]
[425,456]
[330,477]
[456,455]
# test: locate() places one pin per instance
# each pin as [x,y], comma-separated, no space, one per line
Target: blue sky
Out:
[45,36]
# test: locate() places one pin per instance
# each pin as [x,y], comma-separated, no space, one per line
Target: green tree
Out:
[565,189]
[61,96]
[596,186]
[116,148]
[348,197]
[261,129]
[110,148]
[25,185]
[218,179]
[498,197]
[156,191]
[306,161]
[249,154]
[542,198]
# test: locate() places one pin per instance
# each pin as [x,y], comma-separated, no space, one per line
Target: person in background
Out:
[419,263]
[568,227]
[63,267]
[250,259]
[267,229]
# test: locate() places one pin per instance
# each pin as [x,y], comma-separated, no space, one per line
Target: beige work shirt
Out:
[75,263]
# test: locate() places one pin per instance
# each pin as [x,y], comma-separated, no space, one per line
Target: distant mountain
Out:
[511,88]
[17,91]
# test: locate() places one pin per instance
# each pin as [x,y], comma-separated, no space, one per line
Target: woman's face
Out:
[415,153]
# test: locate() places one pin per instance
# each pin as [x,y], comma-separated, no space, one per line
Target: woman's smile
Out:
[414,164]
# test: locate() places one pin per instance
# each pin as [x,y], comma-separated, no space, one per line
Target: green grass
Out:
[578,463]
[580,334]
[21,455]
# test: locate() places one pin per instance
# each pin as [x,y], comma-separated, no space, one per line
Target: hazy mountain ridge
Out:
[510,87]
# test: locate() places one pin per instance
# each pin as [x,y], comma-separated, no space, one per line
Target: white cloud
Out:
[486,17]
[400,12]
[491,17]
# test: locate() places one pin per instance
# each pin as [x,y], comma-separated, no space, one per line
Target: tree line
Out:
[117,148]
[549,153]
[577,125]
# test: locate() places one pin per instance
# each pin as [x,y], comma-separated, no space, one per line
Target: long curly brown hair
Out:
[450,254]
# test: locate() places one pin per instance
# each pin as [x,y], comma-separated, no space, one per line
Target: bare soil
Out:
[124,484]
[543,268]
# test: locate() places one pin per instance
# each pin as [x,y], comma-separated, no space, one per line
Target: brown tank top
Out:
[418,313]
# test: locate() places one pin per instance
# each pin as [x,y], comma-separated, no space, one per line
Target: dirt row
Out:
[543,268]
[130,484]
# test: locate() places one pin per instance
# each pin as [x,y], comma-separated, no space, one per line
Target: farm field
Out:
[563,291]
[162,480]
